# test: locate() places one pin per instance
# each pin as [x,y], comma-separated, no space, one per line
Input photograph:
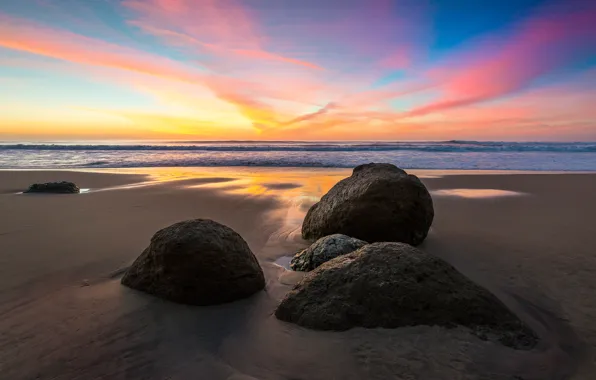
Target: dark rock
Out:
[378,202]
[198,262]
[323,250]
[392,285]
[54,188]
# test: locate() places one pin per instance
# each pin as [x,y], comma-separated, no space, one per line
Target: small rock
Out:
[323,250]
[54,188]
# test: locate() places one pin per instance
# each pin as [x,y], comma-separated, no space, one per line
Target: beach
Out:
[528,237]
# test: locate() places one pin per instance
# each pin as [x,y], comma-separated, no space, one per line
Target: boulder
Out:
[323,250]
[54,188]
[378,202]
[198,262]
[393,285]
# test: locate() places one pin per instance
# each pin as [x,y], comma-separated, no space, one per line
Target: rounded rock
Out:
[198,262]
[394,285]
[378,202]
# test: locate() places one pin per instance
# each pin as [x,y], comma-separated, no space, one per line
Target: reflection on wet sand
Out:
[248,181]
[476,193]
[285,182]
[298,189]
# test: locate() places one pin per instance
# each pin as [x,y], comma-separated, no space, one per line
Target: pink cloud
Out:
[558,111]
[18,34]
[540,46]
[225,27]
[358,105]
[180,22]
[216,22]
[545,112]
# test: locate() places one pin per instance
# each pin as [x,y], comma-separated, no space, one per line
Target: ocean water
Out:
[577,156]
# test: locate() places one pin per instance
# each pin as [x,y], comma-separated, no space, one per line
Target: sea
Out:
[448,155]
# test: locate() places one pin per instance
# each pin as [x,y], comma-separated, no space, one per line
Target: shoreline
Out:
[455,155]
[61,257]
[118,170]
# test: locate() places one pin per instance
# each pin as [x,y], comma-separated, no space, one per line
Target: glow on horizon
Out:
[286,70]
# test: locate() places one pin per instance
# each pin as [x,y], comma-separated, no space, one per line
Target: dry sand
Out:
[64,315]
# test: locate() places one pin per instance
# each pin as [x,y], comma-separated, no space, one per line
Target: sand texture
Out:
[65,316]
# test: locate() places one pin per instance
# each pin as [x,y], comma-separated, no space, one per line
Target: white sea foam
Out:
[577,156]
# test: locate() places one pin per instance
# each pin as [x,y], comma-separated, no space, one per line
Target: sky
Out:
[298,70]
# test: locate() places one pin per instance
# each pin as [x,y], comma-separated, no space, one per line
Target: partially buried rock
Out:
[378,202]
[198,262]
[323,250]
[393,285]
[54,188]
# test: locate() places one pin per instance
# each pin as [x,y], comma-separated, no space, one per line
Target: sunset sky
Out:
[297,69]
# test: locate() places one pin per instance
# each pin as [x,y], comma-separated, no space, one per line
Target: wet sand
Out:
[64,314]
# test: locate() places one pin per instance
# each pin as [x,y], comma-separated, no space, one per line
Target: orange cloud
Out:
[21,35]
[357,106]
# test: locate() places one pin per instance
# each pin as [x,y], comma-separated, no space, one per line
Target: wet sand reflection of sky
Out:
[298,185]
[476,193]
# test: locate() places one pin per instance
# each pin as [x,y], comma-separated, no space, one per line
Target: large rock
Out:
[199,262]
[392,285]
[379,202]
[54,187]
[323,250]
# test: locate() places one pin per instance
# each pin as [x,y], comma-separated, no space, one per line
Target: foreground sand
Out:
[64,315]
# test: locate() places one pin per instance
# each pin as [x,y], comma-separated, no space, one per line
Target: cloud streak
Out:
[18,34]
[224,27]
[496,69]
[32,38]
